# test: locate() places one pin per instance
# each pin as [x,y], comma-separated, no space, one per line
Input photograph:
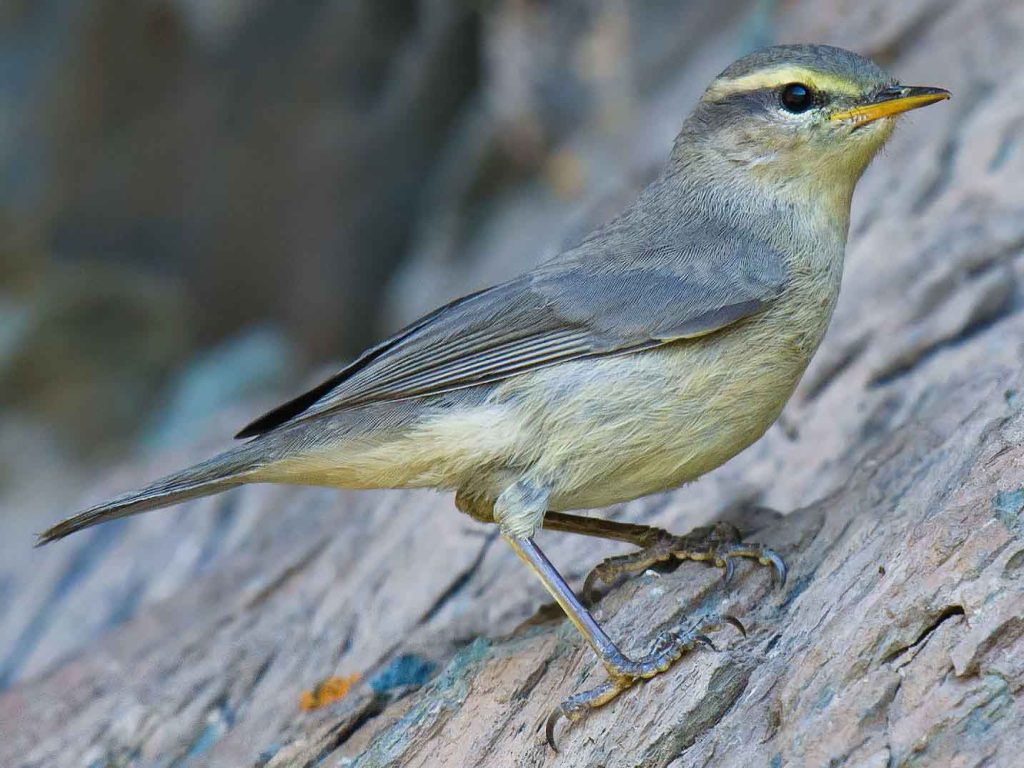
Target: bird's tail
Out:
[220,473]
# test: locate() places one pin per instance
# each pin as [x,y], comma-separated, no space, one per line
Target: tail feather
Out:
[220,473]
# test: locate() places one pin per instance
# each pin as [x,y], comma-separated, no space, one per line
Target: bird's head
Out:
[801,117]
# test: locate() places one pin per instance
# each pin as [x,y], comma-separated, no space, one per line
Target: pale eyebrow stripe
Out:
[779,76]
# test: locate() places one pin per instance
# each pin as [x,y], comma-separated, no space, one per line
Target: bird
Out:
[649,353]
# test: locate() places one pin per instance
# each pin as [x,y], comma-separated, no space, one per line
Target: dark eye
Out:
[797,97]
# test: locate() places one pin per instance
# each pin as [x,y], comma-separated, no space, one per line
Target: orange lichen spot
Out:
[327,692]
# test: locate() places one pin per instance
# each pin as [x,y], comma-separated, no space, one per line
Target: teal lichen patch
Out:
[218,721]
[825,697]
[267,755]
[997,703]
[1007,507]
[406,671]
[436,704]
[1012,397]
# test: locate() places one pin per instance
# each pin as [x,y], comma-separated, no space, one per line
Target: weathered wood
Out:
[899,639]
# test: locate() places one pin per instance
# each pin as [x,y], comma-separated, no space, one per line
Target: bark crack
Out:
[945,615]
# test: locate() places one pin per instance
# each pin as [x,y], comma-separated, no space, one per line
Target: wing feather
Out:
[562,311]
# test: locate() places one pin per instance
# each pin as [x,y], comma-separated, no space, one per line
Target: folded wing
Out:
[564,310]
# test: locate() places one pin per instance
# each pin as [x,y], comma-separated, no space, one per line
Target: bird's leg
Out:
[720,545]
[623,672]
[601,528]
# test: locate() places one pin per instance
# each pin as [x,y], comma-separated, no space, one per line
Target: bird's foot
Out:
[720,544]
[624,672]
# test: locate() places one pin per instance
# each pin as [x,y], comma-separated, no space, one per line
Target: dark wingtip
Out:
[264,424]
[294,407]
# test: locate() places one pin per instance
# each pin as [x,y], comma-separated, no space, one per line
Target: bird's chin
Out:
[882,125]
[865,140]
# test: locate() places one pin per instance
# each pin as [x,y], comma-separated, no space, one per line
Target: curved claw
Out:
[781,571]
[550,725]
[705,641]
[730,570]
[732,620]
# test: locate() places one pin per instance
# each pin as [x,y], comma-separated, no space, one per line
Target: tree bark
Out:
[899,465]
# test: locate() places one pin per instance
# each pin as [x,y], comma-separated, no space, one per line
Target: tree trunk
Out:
[899,467]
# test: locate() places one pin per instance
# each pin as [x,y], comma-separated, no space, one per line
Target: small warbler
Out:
[660,346]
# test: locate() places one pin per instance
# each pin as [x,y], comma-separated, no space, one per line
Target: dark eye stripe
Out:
[759,100]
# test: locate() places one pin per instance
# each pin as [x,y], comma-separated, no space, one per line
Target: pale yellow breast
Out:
[602,430]
[645,423]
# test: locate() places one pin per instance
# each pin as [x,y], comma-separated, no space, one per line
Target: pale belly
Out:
[644,425]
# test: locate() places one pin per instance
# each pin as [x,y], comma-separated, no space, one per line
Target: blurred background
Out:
[204,202]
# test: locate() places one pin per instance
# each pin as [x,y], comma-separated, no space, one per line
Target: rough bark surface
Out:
[186,637]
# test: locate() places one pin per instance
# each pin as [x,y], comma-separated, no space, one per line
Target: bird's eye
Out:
[797,98]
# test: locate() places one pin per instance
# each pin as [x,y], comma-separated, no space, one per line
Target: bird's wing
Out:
[561,311]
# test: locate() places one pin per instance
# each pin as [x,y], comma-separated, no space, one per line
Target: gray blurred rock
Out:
[259,363]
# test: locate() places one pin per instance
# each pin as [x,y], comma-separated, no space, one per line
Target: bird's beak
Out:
[891,101]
